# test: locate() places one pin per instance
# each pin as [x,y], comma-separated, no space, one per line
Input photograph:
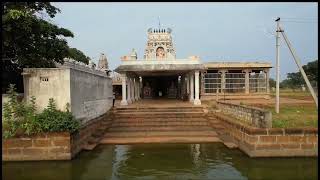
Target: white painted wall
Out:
[88,91]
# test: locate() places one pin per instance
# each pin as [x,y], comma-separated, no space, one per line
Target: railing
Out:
[250,115]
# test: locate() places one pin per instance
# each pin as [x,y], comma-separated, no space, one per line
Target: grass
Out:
[294,115]
[293,94]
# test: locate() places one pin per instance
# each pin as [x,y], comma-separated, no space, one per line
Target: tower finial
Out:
[159,22]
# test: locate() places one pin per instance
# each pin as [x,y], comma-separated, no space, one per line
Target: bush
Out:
[53,120]
[20,117]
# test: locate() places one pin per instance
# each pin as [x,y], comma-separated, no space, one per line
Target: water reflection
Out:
[164,161]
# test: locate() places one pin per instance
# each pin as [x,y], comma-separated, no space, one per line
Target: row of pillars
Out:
[193,87]
[133,85]
[247,80]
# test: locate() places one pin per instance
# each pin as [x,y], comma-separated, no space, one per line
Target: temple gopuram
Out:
[161,75]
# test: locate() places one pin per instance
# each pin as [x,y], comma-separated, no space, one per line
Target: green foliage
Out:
[78,55]
[20,118]
[295,79]
[29,40]
[53,120]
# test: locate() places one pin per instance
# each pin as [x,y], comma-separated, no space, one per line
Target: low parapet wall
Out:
[51,146]
[251,115]
[271,142]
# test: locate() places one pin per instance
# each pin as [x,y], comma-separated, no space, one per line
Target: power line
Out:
[300,21]
[301,18]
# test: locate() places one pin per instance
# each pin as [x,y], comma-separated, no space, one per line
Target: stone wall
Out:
[87,90]
[271,142]
[251,115]
[46,146]
[221,96]
[51,146]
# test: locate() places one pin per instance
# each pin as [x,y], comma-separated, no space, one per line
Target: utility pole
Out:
[297,60]
[277,65]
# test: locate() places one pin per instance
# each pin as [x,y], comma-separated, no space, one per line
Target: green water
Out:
[163,161]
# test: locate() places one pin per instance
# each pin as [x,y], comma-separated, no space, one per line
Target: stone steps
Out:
[155,120]
[95,138]
[159,115]
[159,123]
[159,128]
[160,133]
[159,110]
[175,139]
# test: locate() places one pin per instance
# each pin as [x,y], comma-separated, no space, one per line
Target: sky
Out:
[216,32]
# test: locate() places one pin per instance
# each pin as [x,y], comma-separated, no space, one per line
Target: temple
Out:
[161,75]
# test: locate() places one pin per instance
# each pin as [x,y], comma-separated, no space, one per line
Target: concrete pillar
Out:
[267,81]
[197,88]
[247,81]
[135,89]
[191,98]
[188,85]
[140,87]
[124,91]
[129,91]
[136,85]
[132,90]
[202,83]
[223,80]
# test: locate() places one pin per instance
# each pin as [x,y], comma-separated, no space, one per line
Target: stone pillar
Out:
[188,84]
[197,88]
[223,80]
[129,91]
[267,81]
[124,91]
[202,83]
[140,87]
[191,98]
[247,81]
[135,89]
[132,90]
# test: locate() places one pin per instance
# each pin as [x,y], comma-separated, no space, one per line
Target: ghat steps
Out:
[159,125]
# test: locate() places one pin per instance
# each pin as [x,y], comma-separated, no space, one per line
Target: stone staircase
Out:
[220,129]
[159,125]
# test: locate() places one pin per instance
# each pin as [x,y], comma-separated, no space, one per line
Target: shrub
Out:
[20,117]
[53,120]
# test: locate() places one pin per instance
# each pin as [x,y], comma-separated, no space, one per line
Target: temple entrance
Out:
[160,87]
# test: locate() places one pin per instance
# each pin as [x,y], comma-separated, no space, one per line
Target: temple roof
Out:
[238,65]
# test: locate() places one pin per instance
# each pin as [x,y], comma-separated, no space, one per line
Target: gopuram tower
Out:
[159,45]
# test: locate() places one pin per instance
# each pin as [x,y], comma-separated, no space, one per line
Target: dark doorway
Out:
[160,87]
[117,89]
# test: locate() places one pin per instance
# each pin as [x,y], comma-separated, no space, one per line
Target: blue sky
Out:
[213,31]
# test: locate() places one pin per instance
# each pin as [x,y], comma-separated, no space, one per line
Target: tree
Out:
[272,82]
[78,55]
[312,72]
[295,79]
[29,41]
